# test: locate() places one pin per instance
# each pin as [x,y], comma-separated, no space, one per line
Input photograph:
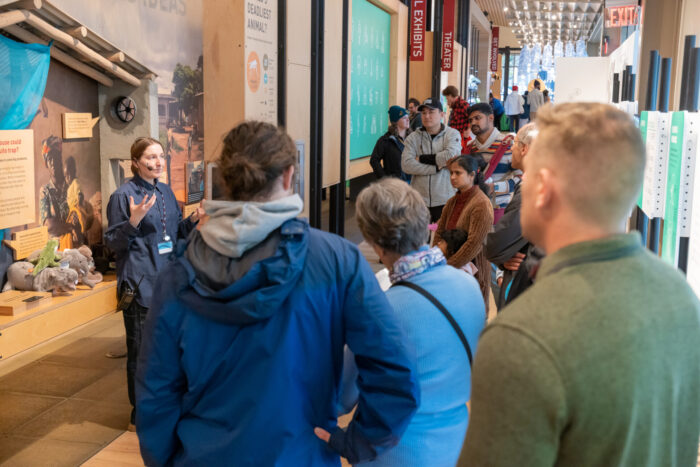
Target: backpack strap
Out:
[497,156]
[443,310]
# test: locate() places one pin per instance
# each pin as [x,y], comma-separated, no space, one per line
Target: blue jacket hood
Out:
[256,291]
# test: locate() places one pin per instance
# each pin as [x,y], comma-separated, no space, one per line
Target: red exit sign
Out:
[620,16]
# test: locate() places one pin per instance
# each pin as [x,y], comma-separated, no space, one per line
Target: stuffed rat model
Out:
[20,277]
[81,261]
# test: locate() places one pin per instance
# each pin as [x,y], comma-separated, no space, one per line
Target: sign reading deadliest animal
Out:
[261,60]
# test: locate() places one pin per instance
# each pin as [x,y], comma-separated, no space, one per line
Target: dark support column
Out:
[282,63]
[664,95]
[464,39]
[505,75]
[437,50]
[336,221]
[316,121]
[689,92]
[642,221]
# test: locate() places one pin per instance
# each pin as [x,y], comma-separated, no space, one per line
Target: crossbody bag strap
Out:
[506,143]
[443,310]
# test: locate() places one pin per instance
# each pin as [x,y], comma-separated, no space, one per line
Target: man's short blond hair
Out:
[598,155]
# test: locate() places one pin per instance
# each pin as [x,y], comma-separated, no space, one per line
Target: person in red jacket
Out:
[459,118]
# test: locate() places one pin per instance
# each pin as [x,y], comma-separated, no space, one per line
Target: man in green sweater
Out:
[598,363]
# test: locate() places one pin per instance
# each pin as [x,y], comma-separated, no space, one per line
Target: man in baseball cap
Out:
[431,103]
[425,157]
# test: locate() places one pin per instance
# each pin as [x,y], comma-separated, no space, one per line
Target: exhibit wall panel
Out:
[116,137]
[392,90]
[689,25]
[76,160]
[223,35]
[332,91]
[454,77]
[583,79]
[298,85]
[165,37]
[420,75]
[660,31]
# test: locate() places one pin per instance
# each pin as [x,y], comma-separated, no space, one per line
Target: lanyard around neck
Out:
[163,215]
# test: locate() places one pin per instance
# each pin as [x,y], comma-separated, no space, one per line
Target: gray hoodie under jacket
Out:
[433,183]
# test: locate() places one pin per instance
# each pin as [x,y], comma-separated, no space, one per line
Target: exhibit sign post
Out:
[683,148]
[692,151]
[17,197]
[418,30]
[261,61]
[656,170]
[448,34]
[494,48]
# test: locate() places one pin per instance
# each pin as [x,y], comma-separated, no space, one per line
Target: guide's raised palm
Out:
[139,210]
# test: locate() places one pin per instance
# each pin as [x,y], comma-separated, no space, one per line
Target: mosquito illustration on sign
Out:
[253,71]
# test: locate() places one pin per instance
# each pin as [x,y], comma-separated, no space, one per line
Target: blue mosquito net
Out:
[23,72]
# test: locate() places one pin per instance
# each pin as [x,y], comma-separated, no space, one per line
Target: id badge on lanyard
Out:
[166,245]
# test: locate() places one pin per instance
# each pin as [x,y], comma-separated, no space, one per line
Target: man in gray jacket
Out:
[425,156]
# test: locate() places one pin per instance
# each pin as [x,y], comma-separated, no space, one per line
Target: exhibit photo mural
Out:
[166,36]
[66,171]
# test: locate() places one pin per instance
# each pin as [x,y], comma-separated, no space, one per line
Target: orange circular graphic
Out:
[252,71]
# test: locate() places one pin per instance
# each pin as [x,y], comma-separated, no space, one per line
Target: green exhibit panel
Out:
[669,245]
[369,77]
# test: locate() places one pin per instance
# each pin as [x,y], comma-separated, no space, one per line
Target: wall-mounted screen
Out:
[369,77]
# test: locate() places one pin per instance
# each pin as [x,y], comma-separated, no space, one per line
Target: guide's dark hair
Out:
[473,164]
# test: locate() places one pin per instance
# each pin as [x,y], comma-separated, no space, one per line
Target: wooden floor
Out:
[123,451]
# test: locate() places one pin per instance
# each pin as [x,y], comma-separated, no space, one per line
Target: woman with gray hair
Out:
[441,311]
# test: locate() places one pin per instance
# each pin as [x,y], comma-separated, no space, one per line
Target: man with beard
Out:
[413,114]
[495,147]
[53,204]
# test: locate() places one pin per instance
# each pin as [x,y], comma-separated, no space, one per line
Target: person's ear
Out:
[491,118]
[288,178]
[545,188]
[524,148]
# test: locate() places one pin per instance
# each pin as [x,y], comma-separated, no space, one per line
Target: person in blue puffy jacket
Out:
[243,347]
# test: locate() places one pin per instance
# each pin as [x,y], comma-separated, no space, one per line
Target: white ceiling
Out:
[542,21]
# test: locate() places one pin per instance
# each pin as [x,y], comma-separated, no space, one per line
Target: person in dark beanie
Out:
[386,156]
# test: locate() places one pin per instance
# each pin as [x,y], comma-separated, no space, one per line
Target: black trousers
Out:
[134,317]
[435,213]
[514,122]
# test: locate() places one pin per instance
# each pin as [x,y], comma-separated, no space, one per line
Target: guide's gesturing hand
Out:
[139,210]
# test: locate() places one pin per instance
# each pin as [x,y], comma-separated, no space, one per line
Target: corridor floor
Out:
[63,401]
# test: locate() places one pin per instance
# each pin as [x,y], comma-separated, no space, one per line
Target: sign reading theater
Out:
[417,30]
[448,34]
